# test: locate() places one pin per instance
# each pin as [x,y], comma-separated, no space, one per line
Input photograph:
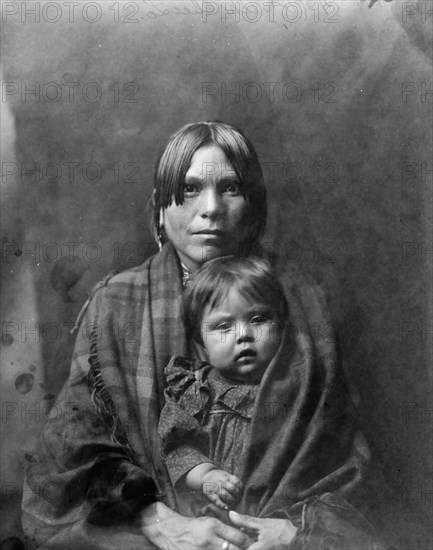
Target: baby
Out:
[236,309]
[215,438]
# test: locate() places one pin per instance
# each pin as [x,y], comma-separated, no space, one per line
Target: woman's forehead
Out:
[210,161]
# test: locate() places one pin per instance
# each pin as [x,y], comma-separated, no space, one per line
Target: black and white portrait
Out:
[216,269]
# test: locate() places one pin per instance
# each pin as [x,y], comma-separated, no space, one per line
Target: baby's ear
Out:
[199,350]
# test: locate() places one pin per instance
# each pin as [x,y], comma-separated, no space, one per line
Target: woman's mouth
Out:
[210,232]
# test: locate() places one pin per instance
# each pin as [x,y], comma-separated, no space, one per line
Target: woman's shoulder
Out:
[316,290]
[133,276]
[294,278]
[151,271]
[117,287]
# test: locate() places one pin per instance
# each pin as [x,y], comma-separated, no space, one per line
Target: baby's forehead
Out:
[232,301]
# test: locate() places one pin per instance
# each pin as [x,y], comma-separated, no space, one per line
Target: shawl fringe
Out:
[102,400]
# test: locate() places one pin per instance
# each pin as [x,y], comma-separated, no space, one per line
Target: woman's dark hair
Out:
[175,160]
[251,277]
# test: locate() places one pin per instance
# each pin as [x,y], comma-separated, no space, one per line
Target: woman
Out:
[97,480]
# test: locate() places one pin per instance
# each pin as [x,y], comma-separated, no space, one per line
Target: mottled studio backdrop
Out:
[337,98]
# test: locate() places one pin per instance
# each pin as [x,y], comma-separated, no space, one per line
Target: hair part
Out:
[175,160]
[251,277]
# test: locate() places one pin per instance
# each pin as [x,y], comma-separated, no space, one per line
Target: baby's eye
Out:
[260,319]
[189,189]
[223,327]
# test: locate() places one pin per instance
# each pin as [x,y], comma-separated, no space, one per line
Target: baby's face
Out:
[241,337]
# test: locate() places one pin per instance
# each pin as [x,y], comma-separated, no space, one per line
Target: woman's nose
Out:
[211,204]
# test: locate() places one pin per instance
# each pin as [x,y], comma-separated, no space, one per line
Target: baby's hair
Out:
[251,277]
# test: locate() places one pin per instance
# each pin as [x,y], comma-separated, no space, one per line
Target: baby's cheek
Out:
[270,334]
[218,354]
[276,334]
[272,340]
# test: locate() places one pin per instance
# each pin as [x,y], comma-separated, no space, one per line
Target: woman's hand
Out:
[168,530]
[272,534]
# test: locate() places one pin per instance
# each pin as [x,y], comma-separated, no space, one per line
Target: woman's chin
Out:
[196,256]
[210,251]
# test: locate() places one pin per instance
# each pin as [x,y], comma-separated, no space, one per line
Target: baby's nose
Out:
[247,333]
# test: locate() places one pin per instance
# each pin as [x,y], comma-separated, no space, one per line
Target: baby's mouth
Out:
[245,354]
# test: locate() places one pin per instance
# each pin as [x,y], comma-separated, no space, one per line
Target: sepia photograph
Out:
[216,275]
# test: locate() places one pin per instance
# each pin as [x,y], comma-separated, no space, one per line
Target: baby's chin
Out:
[244,376]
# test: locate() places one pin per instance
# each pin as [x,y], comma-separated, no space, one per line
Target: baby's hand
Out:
[222,488]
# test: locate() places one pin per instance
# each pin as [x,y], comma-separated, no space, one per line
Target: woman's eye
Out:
[189,189]
[232,188]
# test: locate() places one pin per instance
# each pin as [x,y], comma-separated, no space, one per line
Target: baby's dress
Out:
[206,418]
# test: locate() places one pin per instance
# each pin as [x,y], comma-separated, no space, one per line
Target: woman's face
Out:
[210,221]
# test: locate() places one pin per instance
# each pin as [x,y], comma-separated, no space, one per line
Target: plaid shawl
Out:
[98,459]
[99,451]
[303,439]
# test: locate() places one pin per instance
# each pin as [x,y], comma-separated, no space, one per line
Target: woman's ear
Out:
[160,229]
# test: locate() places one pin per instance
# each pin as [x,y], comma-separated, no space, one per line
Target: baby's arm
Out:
[219,486]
